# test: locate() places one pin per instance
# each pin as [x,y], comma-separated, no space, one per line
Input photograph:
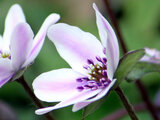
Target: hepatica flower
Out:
[93,65]
[18,48]
[151,56]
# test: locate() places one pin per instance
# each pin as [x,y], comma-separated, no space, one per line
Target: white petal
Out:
[56,85]
[74,45]
[109,41]
[40,37]
[21,42]
[78,98]
[103,92]
[4,80]
[14,17]
[79,106]
[5,70]
[151,56]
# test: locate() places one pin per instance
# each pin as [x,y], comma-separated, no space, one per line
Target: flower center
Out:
[97,78]
[5,55]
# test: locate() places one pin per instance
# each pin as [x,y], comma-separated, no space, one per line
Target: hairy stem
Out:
[126,104]
[143,92]
[22,82]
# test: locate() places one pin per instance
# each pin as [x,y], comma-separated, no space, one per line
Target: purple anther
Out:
[87,87]
[85,78]
[102,80]
[99,84]
[104,73]
[80,88]
[108,80]
[86,67]
[9,57]
[92,83]
[106,83]
[105,60]
[98,58]
[89,61]
[79,80]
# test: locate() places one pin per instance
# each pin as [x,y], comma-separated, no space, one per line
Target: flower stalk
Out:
[143,91]
[126,103]
[22,82]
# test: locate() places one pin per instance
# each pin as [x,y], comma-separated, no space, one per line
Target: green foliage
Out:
[126,64]
[141,69]
[92,107]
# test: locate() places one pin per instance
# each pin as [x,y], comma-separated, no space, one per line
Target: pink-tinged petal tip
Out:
[15,16]
[40,37]
[21,42]
[151,56]
[109,41]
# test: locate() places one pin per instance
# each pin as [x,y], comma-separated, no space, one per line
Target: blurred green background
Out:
[139,22]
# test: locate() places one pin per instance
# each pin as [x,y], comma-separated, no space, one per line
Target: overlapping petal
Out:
[80,105]
[56,85]
[14,17]
[77,98]
[39,38]
[109,41]
[74,45]
[151,56]
[103,92]
[22,38]
[5,71]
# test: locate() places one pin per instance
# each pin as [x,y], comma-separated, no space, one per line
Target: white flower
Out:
[93,65]
[18,48]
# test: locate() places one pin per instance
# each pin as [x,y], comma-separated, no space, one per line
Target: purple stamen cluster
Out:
[98,77]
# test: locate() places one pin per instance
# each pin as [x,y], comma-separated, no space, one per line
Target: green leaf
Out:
[141,69]
[126,64]
[92,107]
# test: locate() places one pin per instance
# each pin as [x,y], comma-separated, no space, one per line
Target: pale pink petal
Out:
[4,80]
[14,17]
[81,96]
[56,85]
[74,45]
[103,92]
[109,41]
[40,37]
[79,106]
[21,42]
[5,70]
[151,56]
